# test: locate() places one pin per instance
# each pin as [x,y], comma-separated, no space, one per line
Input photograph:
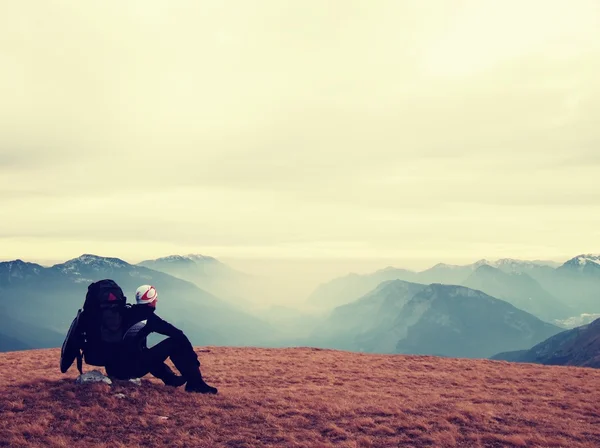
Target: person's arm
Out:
[158,325]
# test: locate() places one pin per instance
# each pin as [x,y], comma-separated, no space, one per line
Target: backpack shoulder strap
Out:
[79,358]
[73,343]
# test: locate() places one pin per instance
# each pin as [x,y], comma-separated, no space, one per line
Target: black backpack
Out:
[96,333]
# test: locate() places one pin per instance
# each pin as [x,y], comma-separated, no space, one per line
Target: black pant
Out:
[180,351]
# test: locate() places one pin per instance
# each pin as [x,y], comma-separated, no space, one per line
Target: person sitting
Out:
[137,360]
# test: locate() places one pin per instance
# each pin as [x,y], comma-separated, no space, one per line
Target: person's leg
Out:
[182,353]
[163,372]
[153,362]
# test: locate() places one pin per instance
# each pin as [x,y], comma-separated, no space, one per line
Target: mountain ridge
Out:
[579,346]
[48,298]
[436,319]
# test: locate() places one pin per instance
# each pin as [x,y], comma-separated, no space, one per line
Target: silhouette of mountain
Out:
[192,267]
[519,289]
[576,347]
[49,298]
[10,344]
[452,320]
[448,274]
[577,321]
[577,282]
[207,273]
[20,335]
[374,313]
[585,264]
[514,265]
[346,289]
[12,272]
[445,320]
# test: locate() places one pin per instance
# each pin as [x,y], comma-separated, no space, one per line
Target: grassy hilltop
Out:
[305,397]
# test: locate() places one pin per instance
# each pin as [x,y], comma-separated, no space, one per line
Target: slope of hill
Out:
[206,272]
[514,265]
[306,397]
[577,321]
[586,263]
[447,320]
[448,274]
[27,335]
[373,313]
[48,298]
[576,347]
[577,281]
[342,290]
[520,290]
[456,321]
[9,344]
[192,264]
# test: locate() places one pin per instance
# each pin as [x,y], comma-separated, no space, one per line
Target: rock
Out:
[161,417]
[120,396]
[94,376]
[136,381]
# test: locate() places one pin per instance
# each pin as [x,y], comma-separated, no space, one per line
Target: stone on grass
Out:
[94,376]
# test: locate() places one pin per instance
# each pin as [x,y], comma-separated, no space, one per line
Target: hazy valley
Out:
[475,311]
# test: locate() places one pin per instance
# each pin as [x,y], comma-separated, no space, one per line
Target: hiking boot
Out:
[174,381]
[200,387]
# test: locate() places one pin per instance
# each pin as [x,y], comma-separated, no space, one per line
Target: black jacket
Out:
[154,324]
[139,322]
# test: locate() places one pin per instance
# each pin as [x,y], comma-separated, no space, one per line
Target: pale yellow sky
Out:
[404,130]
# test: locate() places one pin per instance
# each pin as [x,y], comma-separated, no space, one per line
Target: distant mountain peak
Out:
[503,263]
[583,260]
[189,258]
[445,266]
[202,258]
[18,267]
[508,261]
[17,262]
[588,258]
[389,269]
[486,268]
[170,258]
[10,264]
[91,261]
[513,263]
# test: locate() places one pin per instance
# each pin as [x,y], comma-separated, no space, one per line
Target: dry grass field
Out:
[304,397]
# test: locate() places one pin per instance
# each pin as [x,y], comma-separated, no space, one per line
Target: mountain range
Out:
[498,307]
[547,289]
[519,289]
[578,282]
[576,347]
[436,319]
[207,273]
[47,298]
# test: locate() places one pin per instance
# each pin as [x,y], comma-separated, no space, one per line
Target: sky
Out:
[397,132]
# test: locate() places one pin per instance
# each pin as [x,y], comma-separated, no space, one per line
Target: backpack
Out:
[96,333]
